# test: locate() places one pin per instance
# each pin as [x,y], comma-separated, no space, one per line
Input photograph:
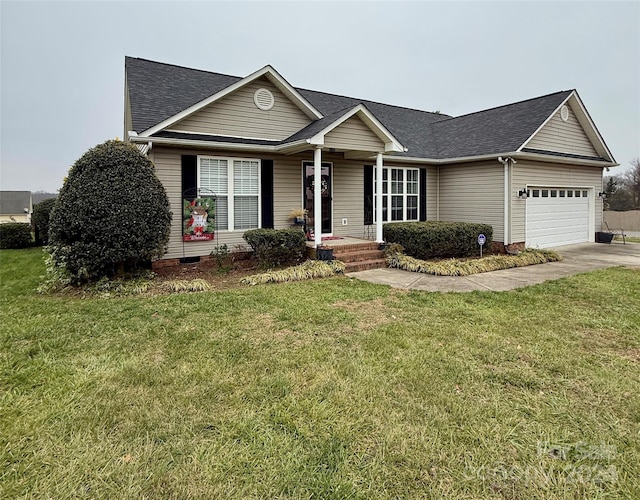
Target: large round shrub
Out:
[40,219]
[112,214]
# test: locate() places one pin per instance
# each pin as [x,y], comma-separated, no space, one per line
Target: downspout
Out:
[505,224]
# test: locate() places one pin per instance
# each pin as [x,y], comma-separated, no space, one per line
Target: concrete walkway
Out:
[576,259]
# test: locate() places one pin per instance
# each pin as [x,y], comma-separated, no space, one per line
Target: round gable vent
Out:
[264,99]
[564,113]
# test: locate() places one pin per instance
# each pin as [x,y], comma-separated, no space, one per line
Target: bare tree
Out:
[631,180]
[618,196]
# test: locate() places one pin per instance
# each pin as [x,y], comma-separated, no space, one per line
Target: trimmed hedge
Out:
[112,214]
[276,247]
[40,220]
[435,239]
[15,235]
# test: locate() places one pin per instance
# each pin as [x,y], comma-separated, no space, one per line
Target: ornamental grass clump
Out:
[112,215]
[307,270]
[457,267]
[197,285]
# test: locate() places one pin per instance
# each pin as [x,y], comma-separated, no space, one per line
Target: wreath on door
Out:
[324,184]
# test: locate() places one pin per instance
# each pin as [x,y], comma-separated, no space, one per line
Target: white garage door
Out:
[557,216]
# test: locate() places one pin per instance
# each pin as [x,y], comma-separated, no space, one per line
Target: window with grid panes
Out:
[236,186]
[400,192]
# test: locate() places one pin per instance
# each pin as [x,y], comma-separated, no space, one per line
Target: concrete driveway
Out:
[576,259]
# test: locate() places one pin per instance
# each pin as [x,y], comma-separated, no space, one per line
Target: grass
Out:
[466,267]
[628,239]
[329,388]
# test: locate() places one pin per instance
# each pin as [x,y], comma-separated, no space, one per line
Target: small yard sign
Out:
[482,239]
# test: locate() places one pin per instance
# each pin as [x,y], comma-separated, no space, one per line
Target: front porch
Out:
[358,254]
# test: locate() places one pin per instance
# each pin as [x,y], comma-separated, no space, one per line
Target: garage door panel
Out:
[556,221]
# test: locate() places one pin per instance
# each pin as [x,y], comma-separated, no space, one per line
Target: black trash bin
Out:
[602,237]
[324,253]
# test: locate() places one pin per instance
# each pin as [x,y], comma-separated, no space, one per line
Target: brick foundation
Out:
[235,256]
[159,264]
[500,247]
[497,247]
[515,247]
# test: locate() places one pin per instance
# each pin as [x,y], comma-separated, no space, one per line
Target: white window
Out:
[236,185]
[400,192]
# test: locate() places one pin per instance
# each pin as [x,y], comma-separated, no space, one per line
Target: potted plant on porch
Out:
[298,216]
[324,252]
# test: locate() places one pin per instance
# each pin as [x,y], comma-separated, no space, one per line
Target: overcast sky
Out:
[63,62]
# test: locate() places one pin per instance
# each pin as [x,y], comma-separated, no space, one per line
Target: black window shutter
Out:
[368,195]
[266,191]
[423,194]
[189,177]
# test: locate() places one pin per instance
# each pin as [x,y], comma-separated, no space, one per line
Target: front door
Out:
[308,176]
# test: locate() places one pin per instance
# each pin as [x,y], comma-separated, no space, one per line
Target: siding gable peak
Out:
[569,130]
[362,122]
[267,74]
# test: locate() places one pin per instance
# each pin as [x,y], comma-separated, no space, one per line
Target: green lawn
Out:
[332,388]
[632,239]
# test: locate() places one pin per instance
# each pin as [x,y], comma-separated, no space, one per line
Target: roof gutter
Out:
[445,161]
[294,147]
[492,157]
[206,144]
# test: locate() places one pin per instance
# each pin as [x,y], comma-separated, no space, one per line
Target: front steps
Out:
[357,256]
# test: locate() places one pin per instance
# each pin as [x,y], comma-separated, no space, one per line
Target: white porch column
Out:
[379,238]
[317,196]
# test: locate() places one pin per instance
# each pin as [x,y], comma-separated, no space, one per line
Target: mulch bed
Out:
[228,276]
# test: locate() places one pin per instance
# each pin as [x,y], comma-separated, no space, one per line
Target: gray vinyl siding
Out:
[432,193]
[473,193]
[526,174]
[237,115]
[287,188]
[168,165]
[347,192]
[353,134]
[563,137]
[348,198]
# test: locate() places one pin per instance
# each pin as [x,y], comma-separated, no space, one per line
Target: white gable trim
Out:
[391,144]
[591,130]
[270,73]
[573,101]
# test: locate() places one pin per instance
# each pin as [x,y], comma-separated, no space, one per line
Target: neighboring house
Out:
[15,206]
[260,148]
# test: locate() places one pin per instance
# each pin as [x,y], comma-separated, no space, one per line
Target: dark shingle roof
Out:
[501,129]
[158,91]
[14,202]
